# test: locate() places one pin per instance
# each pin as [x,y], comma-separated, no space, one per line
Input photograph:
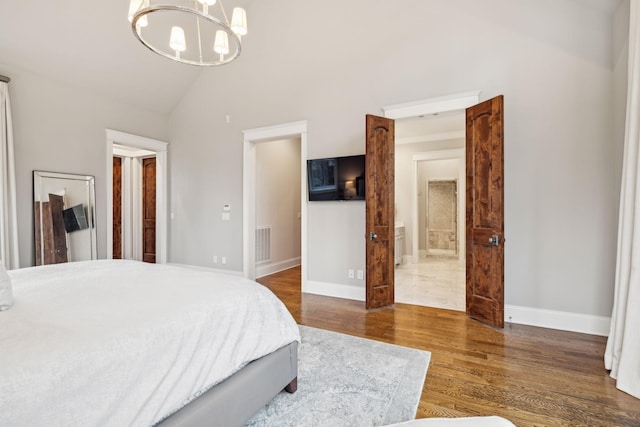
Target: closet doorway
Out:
[252,139]
[136,198]
[278,206]
[134,204]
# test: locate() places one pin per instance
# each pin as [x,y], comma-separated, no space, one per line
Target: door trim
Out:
[251,138]
[160,148]
[440,104]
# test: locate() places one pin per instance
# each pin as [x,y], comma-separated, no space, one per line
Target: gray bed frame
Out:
[237,399]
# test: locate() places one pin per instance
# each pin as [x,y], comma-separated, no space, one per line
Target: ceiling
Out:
[90,45]
[432,127]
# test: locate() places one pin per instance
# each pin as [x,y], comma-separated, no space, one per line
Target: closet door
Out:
[149,209]
[117,208]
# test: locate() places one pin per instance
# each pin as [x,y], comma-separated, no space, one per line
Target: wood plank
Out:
[532,376]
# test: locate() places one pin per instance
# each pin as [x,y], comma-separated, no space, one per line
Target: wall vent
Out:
[263,244]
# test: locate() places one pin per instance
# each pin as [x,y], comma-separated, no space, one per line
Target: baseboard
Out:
[336,290]
[274,267]
[213,270]
[562,320]
[542,318]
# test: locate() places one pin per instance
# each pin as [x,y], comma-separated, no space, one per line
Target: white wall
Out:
[59,128]
[552,59]
[278,200]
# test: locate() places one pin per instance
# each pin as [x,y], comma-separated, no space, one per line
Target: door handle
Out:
[494,240]
[373,236]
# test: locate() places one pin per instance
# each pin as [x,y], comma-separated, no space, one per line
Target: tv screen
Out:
[336,178]
[74,219]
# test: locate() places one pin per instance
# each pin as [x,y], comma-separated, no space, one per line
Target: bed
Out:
[124,343]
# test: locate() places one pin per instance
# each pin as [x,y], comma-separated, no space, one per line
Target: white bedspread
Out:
[118,343]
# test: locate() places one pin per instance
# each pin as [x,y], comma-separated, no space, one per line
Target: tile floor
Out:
[433,282]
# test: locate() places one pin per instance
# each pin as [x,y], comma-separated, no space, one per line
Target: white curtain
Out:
[8,217]
[622,355]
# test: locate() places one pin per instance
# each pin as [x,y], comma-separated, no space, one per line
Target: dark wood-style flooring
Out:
[532,376]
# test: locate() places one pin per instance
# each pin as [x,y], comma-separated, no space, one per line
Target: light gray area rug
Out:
[349,381]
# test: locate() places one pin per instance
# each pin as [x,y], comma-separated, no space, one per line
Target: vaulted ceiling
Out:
[90,45]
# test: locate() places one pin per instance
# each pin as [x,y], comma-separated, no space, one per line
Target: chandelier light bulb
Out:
[221,44]
[205,5]
[136,5]
[239,21]
[177,41]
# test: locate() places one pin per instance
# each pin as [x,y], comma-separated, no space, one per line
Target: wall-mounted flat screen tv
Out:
[336,178]
[75,218]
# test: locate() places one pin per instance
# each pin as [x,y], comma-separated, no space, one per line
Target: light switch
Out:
[226,208]
[226,216]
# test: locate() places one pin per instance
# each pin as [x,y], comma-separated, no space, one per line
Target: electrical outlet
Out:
[224,260]
[360,275]
[215,259]
[351,275]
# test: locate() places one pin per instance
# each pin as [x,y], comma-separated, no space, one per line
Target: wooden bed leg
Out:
[292,386]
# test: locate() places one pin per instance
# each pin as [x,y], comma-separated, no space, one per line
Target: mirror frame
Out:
[89,203]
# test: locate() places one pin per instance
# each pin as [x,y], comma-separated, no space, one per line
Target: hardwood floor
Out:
[531,376]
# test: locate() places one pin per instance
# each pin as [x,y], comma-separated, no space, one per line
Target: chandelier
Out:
[195,32]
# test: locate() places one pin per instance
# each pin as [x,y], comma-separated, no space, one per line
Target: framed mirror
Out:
[64,217]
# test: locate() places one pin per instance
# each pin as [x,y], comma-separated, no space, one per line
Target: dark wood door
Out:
[149,209]
[485,211]
[380,206]
[117,208]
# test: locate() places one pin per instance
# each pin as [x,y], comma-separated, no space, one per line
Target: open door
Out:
[117,207]
[149,209]
[380,205]
[485,211]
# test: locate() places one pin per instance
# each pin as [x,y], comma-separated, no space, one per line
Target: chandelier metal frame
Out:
[221,24]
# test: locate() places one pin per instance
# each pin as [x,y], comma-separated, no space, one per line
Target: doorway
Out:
[252,138]
[436,276]
[430,141]
[439,213]
[278,201]
[134,204]
[132,150]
